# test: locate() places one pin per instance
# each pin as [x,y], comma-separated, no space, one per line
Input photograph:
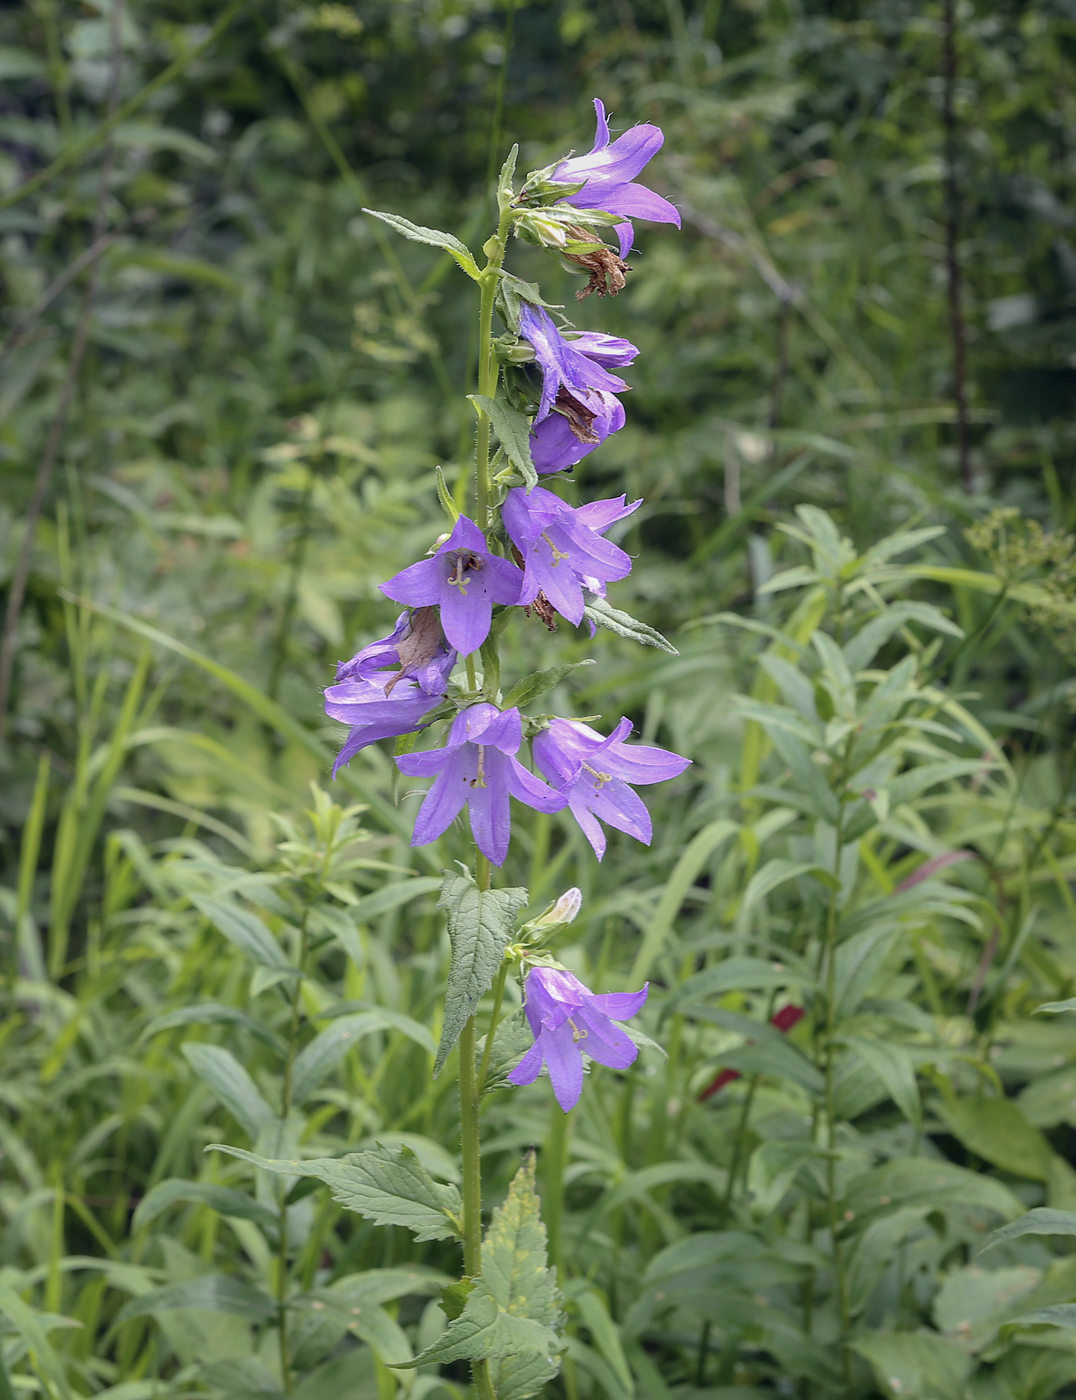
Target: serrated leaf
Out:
[225,1200]
[480,926]
[418,233]
[245,930]
[211,1293]
[386,1185]
[225,1077]
[602,614]
[538,682]
[513,429]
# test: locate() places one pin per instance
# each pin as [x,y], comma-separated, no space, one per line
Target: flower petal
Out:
[525,787]
[565,1064]
[491,820]
[418,585]
[620,1006]
[529,1067]
[443,802]
[605,1042]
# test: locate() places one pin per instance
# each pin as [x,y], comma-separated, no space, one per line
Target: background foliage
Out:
[881,834]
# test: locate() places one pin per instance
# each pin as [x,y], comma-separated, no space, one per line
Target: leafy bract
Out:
[513,429]
[480,925]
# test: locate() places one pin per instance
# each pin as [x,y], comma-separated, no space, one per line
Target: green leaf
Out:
[869,640]
[700,849]
[245,930]
[997,1131]
[317,1060]
[920,1365]
[480,926]
[602,614]
[892,1064]
[1040,1221]
[387,1185]
[973,1303]
[912,1181]
[734,974]
[211,1013]
[392,896]
[225,1077]
[1053,1007]
[434,237]
[225,1200]
[513,429]
[774,1167]
[211,1293]
[1057,1315]
[538,682]
[33,1326]
[505,189]
[777,1057]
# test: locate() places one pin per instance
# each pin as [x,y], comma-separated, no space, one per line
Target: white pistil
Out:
[602,778]
[558,555]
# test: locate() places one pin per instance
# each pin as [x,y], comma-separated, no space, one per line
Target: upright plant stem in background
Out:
[952,244]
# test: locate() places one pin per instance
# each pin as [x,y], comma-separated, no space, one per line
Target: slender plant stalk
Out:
[298,558]
[952,245]
[498,998]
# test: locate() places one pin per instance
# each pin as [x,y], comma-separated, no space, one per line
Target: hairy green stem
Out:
[498,998]
[487,370]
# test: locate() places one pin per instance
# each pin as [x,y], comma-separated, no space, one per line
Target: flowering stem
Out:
[487,377]
[285,1109]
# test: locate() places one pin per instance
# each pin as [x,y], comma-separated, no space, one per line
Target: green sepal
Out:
[444,495]
[505,189]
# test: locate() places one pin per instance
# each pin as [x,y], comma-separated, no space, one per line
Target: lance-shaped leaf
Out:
[211,1293]
[538,682]
[511,1314]
[480,925]
[603,614]
[245,930]
[433,236]
[225,1200]
[513,429]
[387,1185]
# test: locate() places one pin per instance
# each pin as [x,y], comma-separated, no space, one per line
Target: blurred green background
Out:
[244,451]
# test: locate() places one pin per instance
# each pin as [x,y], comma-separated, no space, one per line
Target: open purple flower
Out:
[562,548]
[373,714]
[594,774]
[565,437]
[609,170]
[576,365]
[568,1021]
[478,766]
[464,580]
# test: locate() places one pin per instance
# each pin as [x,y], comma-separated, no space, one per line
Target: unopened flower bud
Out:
[564,910]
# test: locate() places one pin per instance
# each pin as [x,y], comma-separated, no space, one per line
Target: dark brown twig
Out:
[952,245]
[59,422]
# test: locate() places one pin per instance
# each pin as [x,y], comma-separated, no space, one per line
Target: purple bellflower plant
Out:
[594,774]
[478,766]
[568,1021]
[464,580]
[562,548]
[405,681]
[609,169]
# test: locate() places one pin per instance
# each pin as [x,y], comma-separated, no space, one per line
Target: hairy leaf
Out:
[387,1185]
[602,614]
